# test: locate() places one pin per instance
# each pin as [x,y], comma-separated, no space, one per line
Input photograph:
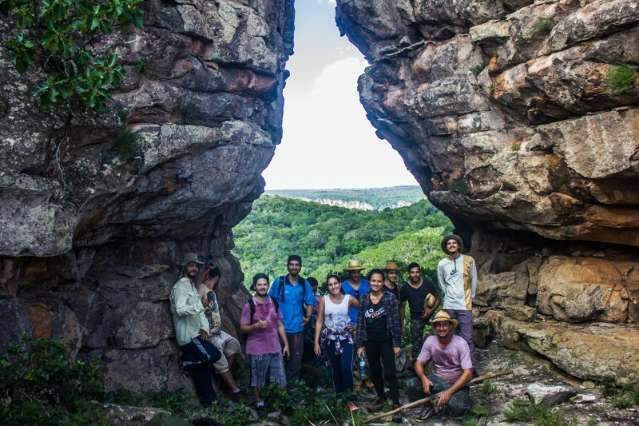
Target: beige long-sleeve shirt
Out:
[188,311]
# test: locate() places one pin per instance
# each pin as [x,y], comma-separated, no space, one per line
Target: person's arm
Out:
[360,331]
[309,301]
[395,327]
[421,375]
[473,278]
[282,333]
[402,308]
[446,395]
[440,277]
[182,307]
[245,324]
[319,322]
[352,302]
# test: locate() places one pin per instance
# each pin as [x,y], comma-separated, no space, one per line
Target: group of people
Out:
[359,321]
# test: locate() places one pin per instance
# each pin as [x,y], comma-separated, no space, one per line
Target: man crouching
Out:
[451,358]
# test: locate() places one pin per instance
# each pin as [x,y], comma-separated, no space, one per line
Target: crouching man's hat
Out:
[442,316]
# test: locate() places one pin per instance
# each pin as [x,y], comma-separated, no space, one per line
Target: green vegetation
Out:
[621,78]
[523,410]
[376,198]
[477,69]
[55,37]
[460,186]
[125,144]
[542,27]
[41,386]
[487,388]
[622,396]
[326,237]
[515,147]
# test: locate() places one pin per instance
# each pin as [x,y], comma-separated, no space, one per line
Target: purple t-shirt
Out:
[450,361]
[262,341]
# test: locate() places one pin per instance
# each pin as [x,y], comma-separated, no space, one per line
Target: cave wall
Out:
[512,117]
[90,236]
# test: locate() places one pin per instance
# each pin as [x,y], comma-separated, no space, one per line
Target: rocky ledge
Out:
[520,120]
[97,210]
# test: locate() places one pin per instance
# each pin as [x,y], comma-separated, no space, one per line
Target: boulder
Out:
[549,395]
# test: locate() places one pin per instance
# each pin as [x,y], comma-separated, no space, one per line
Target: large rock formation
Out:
[97,209]
[520,120]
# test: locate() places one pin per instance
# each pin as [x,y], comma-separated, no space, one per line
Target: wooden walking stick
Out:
[433,398]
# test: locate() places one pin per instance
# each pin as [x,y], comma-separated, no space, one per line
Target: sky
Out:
[328,142]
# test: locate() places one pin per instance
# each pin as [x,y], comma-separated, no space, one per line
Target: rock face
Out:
[97,210]
[520,120]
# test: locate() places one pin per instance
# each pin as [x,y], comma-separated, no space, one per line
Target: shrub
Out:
[542,27]
[621,78]
[523,410]
[42,386]
[515,147]
[125,145]
[56,35]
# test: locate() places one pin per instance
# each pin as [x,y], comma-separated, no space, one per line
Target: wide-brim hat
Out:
[191,258]
[391,266]
[455,237]
[354,265]
[442,316]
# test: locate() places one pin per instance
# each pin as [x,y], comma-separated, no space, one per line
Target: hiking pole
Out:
[433,398]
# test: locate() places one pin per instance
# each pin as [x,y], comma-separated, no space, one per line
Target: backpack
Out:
[252,307]
[282,284]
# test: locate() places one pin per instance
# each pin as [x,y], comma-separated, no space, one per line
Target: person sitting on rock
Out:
[192,330]
[228,345]
[457,276]
[453,367]
[262,321]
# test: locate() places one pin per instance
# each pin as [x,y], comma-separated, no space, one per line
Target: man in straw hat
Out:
[457,276]
[453,367]
[391,283]
[355,285]
[192,330]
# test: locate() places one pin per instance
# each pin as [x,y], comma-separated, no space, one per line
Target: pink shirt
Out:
[262,341]
[450,361]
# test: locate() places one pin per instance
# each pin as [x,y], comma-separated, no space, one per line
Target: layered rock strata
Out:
[520,120]
[96,210]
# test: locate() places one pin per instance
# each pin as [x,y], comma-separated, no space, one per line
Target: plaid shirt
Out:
[391,307]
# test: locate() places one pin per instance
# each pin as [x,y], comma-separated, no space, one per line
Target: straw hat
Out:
[354,265]
[391,266]
[442,316]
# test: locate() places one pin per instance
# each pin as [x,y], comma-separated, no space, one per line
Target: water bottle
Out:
[362,368]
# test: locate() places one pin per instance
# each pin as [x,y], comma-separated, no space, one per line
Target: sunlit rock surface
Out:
[513,118]
[93,224]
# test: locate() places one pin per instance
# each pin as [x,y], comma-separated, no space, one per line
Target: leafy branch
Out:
[56,35]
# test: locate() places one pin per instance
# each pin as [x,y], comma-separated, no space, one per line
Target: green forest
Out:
[327,237]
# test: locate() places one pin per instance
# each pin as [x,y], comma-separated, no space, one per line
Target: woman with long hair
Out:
[379,336]
[334,336]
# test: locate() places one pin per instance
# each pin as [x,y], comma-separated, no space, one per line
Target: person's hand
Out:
[427,314]
[262,324]
[318,350]
[443,398]
[426,385]
[204,335]
[285,351]
[361,351]
[306,320]
[397,351]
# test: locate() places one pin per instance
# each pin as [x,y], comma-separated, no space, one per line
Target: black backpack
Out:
[252,307]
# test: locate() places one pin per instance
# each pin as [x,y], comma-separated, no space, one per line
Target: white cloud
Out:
[328,142]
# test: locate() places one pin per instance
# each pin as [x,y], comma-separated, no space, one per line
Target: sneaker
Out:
[352,407]
[376,405]
[235,395]
[259,404]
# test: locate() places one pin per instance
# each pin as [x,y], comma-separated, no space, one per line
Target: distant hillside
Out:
[327,236]
[361,199]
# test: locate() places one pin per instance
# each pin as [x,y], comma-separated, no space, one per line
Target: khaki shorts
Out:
[228,346]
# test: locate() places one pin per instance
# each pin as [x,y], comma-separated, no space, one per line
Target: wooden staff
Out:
[433,398]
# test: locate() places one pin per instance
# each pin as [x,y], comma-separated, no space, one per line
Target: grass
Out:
[542,27]
[477,69]
[515,147]
[622,396]
[487,388]
[621,78]
[523,410]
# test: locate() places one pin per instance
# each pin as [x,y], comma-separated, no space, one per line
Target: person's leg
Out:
[200,372]
[373,355]
[461,403]
[334,362]
[416,336]
[346,367]
[277,372]
[465,329]
[390,375]
[294,363]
